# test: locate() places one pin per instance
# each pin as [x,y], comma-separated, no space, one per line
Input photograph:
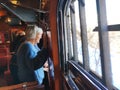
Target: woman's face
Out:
[38,37]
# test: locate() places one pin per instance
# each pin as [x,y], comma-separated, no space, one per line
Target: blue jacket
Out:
[30,60]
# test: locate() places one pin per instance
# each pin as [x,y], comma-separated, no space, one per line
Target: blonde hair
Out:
[32,31]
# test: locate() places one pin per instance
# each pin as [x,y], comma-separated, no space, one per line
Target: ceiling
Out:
[22,12]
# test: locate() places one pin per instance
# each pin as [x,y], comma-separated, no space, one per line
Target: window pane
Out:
[114,38]
[77,19]
[93,40]
[113,11]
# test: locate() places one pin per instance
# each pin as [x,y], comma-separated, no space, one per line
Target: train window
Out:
[115,56]
[78,32]
[93,38]
[85,18]
[71,33]
[84,30]
[112,9]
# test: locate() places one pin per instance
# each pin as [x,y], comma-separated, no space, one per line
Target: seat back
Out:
[4,56]
[4,51]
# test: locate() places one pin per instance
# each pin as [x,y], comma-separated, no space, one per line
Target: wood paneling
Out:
[53,28]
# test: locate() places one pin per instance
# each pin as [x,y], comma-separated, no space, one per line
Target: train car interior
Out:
[82,38]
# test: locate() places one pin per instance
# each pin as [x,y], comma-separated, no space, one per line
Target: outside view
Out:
[113,17]
[112,8]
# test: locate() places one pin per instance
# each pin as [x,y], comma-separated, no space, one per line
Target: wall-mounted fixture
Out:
[16,2]
[8,20]
[13,21]
[43,3]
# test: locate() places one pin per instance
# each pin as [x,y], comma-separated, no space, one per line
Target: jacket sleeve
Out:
[40,59]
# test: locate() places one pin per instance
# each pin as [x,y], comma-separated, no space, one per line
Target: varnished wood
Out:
[53,28]
[21,85]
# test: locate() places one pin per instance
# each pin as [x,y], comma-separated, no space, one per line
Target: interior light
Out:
[14,1]
[8,20]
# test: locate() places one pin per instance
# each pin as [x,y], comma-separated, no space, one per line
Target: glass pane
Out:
[78,31]
[114,38]
[113,11]
[93,39]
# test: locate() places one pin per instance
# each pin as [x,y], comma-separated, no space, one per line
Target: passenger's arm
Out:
[41,58]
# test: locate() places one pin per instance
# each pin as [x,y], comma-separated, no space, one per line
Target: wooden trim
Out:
[17,86]
[54,39]
[66,83]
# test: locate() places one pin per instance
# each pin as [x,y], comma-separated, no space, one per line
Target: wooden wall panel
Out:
[53,28]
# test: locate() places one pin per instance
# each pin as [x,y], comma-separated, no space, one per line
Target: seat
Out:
[4,59]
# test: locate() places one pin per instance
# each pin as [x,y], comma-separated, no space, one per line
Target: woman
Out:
[30,59]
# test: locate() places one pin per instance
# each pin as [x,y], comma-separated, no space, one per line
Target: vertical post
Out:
[54,39]
[84,35]
[72,13]
[104,43]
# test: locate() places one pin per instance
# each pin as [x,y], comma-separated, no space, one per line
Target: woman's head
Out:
[34,32]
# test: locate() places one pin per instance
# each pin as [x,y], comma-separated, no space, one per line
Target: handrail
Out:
[83,77]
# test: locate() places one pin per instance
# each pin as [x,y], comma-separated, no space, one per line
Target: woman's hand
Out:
[46,68]
[46,64]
